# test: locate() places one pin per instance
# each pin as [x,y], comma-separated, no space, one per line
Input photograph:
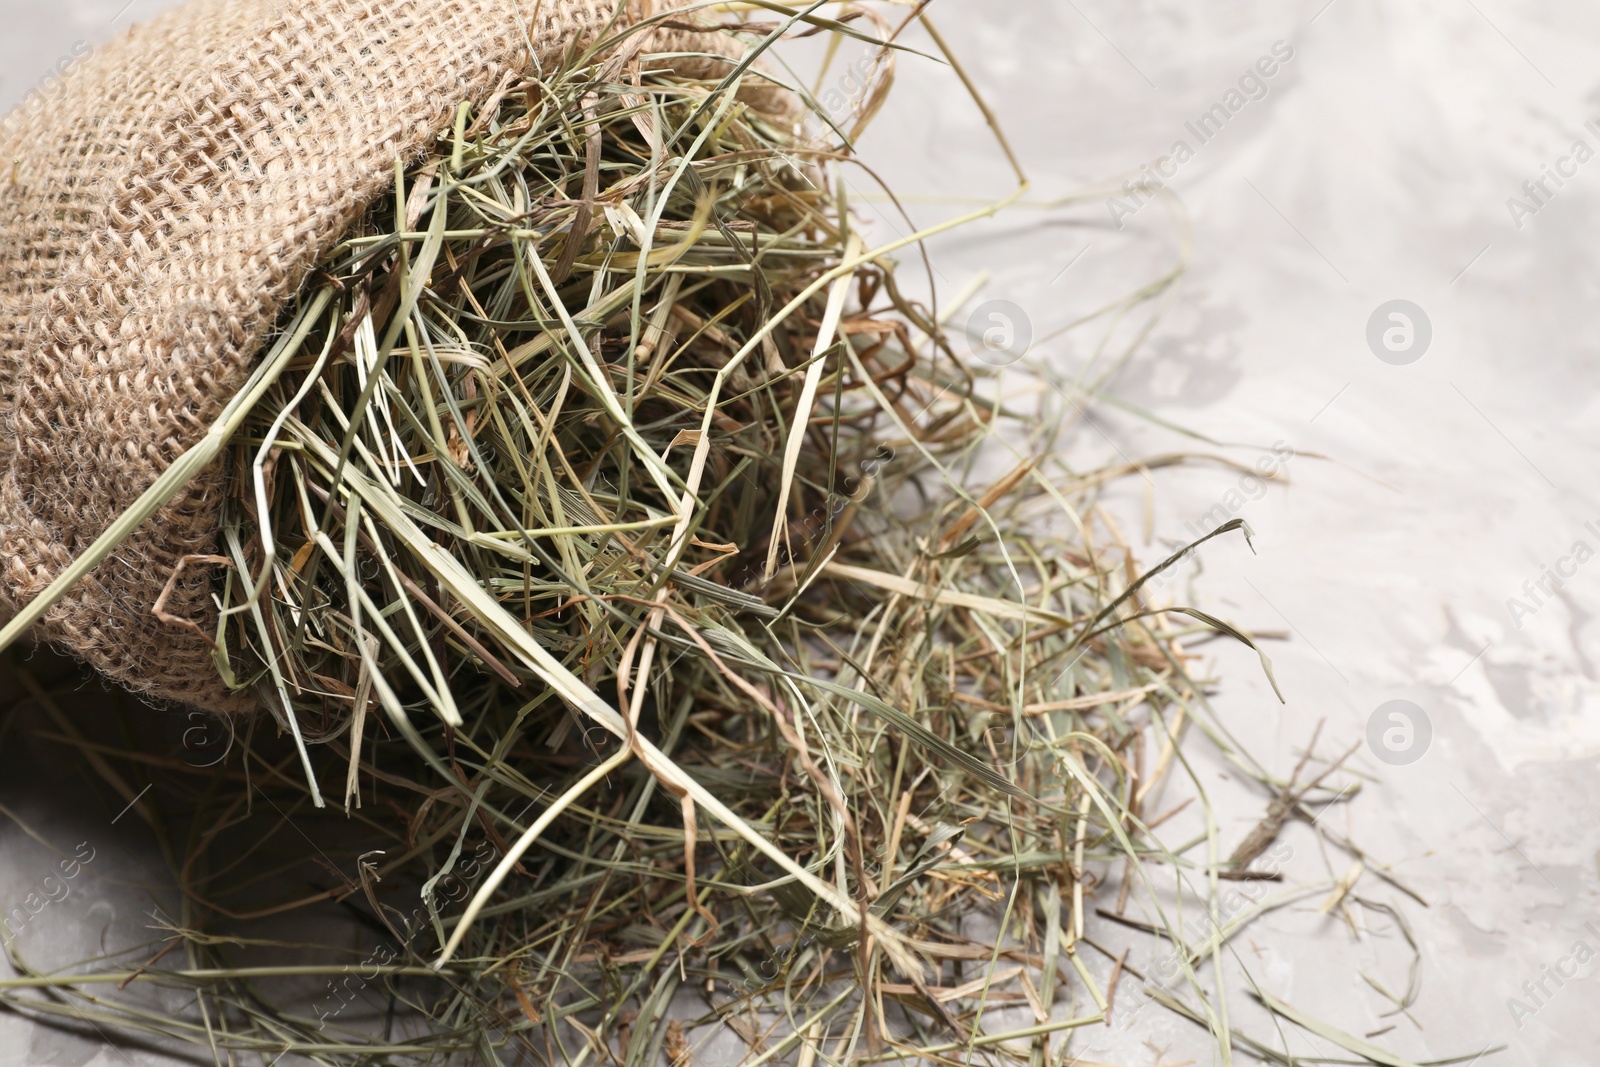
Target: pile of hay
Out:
[605,545]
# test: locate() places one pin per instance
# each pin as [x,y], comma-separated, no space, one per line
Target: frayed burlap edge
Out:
[162,209]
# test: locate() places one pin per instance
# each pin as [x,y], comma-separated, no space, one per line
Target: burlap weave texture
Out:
[156,215]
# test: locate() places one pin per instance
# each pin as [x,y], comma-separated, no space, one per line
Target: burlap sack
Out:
[155,216]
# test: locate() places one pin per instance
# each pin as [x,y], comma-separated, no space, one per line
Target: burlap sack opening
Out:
[158,214]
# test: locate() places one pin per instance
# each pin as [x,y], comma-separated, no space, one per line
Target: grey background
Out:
[1377,167]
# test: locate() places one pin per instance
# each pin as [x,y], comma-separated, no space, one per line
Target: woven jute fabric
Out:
[157,213]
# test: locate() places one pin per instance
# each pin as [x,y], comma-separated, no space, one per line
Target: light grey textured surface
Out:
[1377,166]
